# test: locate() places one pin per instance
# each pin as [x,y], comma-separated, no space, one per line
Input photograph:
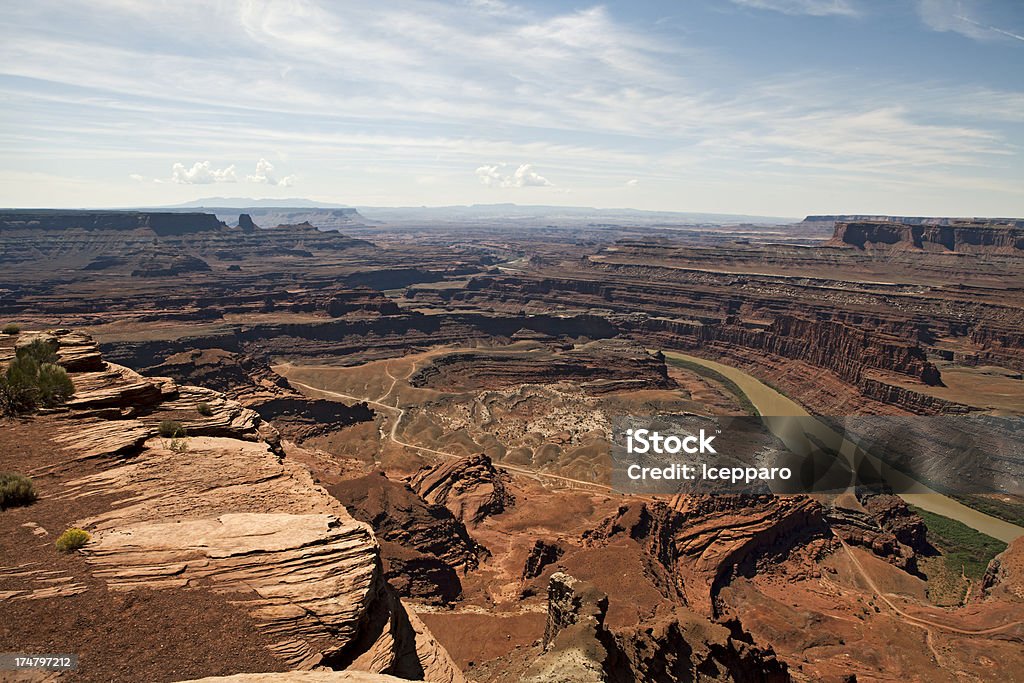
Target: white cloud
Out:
[202,174]
[265,174]
[524,176]
[632,182]
[817,8]
[960,17]
[430,88]
[136,177]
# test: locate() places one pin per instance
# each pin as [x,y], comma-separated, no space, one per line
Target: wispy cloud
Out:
[362,96]
[817,8]
[986,27]
[961,16]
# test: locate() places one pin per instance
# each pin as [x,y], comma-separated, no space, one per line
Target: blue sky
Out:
[769,107]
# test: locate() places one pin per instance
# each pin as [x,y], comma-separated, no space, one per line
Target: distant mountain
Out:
[327,215]
[248,203]
[556,215]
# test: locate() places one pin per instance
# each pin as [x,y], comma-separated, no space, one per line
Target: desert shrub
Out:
[72,539]
[18,389]
[204,409]
[11,328]
[15,399]
[28,383]
[178,445]
[169,429]
[39,350]
[54,385]
[15,489]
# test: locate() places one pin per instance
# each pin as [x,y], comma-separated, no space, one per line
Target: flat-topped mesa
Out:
[961,236]
[161,223]
[597,367]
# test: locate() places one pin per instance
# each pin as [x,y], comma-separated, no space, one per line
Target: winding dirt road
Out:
[400,413]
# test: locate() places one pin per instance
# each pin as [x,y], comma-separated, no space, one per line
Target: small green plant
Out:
[178,445]
[72,539]
[40,350]
[29,383]
[54,384]
[11,328]
[204,409]
[170,429]
[17,390]
[15,489]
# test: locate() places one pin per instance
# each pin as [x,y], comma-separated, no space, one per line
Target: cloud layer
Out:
[817,8]
[365,101]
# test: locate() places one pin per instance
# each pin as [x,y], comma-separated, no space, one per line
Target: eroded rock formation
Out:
[670,648]
[599,367]
[974,236]
[424,546]
[705,541]
[216,505]
[471,488]
[1004,577]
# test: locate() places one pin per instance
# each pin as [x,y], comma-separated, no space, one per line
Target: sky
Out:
[763,107]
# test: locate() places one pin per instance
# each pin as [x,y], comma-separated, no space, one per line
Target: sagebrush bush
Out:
[11,328]
[40,350]
[169,429]
[204,409]
[72,539]
[18,390]
[29,383]
[54,385]
[15,489]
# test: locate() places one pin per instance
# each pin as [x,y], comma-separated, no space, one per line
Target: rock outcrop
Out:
[599,367]
[302,677]
[424,546]
[541,555]
[471,488]
[680,646]
[894,515]
[860,528]
[573,647]
[218,506]
[245,223]
[160,223]
[1004,577]
[706,541]
[973,236]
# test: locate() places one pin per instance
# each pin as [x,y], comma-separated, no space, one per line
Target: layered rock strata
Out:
[471,488]
[216,505]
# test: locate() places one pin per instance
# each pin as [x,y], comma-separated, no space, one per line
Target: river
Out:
[775,407]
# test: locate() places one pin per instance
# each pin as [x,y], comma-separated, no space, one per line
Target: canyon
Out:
[402,464]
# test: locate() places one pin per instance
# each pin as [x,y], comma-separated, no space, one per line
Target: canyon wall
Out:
[965,236]
[160,223]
